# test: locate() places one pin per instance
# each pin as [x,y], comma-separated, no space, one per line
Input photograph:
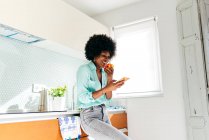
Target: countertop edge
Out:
[26,117]
[13,118]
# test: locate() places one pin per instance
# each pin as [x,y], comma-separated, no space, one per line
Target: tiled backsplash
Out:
[22,65]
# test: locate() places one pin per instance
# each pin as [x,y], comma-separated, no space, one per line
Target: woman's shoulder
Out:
[84,67]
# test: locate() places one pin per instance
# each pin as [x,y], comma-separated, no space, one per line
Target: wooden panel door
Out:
[190,40]
[190,37]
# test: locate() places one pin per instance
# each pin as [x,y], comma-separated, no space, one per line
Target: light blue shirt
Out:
[87,83]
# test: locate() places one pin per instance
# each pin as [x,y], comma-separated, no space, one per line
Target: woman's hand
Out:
[114,85]
[107,90]
[109,69]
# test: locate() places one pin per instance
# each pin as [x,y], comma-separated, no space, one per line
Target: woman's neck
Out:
[97,67]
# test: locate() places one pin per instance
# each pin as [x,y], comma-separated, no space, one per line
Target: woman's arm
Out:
[107,90]
[103,91]
[109,93]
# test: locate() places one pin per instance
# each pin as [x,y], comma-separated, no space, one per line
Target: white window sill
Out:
[138,95]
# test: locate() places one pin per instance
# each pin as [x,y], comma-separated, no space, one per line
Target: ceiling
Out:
[96,7]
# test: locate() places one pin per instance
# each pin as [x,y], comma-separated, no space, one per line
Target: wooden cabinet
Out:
[48,129]
[118,120]
[59,22]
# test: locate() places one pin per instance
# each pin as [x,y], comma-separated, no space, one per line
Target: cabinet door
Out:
[190,39]
[118,120]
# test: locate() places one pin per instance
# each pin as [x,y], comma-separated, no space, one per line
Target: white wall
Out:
[156,118]
[50,19]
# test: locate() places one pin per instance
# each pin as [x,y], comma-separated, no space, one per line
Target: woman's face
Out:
[102,59]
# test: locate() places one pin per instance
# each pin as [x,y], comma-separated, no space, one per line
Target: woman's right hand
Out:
[114,85]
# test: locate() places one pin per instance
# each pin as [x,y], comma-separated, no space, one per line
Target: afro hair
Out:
[97,44]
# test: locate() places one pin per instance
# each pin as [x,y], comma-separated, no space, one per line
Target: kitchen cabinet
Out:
[59,22]
[119,121]
[34,129]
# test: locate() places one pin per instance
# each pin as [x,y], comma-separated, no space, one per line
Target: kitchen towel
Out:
[70,127]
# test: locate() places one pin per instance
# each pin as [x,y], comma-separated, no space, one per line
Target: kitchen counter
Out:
[34,116]
[23,117]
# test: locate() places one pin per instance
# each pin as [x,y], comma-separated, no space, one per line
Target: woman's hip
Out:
[94,112]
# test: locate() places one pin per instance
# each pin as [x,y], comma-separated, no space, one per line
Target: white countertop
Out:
[24,117]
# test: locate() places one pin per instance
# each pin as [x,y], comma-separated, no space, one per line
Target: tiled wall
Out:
[22,65]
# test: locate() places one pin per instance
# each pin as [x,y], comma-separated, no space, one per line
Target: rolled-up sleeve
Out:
[84,93]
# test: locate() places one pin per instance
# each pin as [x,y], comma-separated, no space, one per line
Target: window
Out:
[138,58]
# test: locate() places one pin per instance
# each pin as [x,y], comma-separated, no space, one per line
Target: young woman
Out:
[95,85]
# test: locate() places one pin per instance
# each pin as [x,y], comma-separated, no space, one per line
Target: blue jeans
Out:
[95,123]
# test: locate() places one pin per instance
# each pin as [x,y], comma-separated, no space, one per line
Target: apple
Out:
[109,65]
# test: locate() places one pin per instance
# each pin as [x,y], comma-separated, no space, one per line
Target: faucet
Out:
[74,97]
[42,90]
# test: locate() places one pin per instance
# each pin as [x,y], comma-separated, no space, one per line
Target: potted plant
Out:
[57,100]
